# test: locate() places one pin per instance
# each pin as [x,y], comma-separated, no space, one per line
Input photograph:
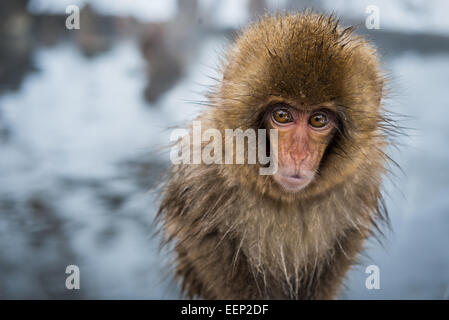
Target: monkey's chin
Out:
[294,183]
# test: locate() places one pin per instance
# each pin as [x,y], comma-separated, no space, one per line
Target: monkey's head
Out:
[320,86]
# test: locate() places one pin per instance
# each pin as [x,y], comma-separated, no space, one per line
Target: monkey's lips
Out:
[292,183]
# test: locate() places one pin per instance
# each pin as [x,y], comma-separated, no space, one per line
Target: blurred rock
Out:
[168,48]
[96,32]
[15,43]
[164,68]
[257,8]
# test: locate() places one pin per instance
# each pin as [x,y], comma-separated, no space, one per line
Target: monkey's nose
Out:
[297,155]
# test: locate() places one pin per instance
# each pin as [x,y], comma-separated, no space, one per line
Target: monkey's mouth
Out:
[292,183]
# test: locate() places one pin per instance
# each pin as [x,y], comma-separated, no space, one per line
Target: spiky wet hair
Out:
[233,226]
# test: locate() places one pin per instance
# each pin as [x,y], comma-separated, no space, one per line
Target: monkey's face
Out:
[303,135]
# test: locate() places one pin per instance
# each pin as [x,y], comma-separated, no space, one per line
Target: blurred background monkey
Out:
[294,234]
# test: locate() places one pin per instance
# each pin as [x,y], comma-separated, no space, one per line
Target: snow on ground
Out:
[90,119]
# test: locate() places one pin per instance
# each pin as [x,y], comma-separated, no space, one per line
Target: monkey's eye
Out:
[282,116]
[319,120]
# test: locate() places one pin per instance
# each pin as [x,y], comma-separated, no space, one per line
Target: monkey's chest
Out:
[287,242]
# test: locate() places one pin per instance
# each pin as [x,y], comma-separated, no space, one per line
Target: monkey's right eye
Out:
[282,116]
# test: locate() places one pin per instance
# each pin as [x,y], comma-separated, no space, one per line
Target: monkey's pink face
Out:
[302,140]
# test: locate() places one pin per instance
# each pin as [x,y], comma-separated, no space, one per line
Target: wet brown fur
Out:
[237,234]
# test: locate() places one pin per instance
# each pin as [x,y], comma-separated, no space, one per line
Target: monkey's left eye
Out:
[282,116]
[319,120]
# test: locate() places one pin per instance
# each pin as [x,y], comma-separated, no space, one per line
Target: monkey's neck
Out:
[286,241]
